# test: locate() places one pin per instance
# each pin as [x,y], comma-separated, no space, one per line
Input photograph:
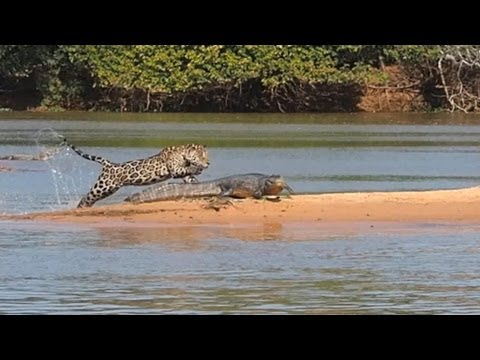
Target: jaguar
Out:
[173,162]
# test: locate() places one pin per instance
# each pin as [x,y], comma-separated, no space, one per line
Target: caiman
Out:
[235,186]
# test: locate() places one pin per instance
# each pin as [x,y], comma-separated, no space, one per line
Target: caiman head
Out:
[275,184]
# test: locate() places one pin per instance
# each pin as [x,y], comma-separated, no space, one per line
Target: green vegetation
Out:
[282,78]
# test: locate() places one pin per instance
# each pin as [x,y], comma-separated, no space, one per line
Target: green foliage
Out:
[19,64]
[63,83]
[20,61]
[390,54]
[83,76]
[418,55]
[43,69]
[171,69]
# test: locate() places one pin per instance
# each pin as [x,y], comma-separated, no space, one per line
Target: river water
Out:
[273,268]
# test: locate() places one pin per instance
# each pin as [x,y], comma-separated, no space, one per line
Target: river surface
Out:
[273,268]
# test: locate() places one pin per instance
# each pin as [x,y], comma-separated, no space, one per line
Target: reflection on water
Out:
[376,268]
[273,268]
[269,118]
[257,130]
[186,237]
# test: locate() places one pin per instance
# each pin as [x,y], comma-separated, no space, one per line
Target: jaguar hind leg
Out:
[97,193]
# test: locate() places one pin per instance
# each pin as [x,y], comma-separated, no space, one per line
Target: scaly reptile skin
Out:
[237,186]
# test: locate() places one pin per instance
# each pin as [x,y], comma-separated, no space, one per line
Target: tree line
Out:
[240,78]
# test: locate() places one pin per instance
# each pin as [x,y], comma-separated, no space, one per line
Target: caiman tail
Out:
[175,191]
[98,159]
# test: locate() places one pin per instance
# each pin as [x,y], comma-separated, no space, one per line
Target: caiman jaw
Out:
[283,185]
[277,187]
[288,188]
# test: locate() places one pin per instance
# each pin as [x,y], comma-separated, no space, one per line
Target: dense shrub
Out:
[284,78]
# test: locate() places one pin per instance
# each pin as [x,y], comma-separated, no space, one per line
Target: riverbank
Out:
[440,205]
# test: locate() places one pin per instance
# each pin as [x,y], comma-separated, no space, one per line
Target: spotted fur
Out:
[183,161]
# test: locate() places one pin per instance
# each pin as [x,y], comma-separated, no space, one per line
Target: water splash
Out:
[48,135]
[62,168]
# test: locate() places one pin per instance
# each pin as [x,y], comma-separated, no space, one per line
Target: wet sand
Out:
[419,206]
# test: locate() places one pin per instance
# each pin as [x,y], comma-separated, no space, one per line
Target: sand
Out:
[441,206]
